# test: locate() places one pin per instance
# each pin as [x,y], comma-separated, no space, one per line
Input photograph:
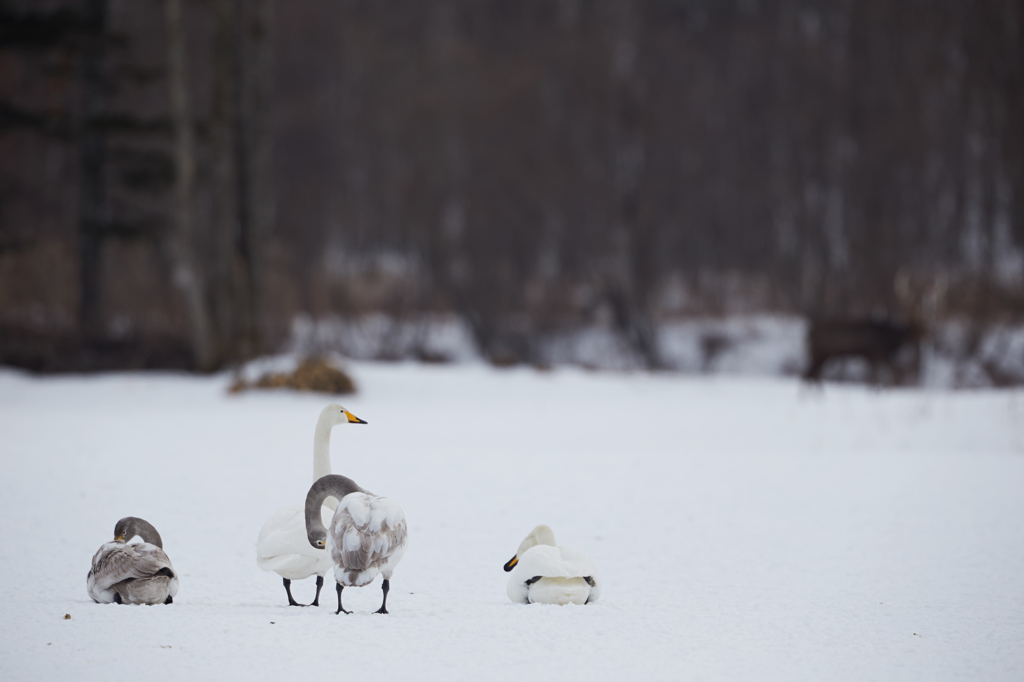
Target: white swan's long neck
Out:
[322,457]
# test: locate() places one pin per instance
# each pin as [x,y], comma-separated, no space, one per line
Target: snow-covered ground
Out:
[743,529]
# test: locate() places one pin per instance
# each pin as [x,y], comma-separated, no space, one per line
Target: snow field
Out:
[742,529]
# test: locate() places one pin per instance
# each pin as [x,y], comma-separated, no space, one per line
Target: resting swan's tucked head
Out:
[541,535]
[130,526]
[318,537]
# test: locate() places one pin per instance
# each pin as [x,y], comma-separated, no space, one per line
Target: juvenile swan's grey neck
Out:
[130,526]
[331,485]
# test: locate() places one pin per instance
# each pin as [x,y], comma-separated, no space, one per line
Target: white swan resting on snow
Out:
[544,573]
[139,573]
[366,536]
[282,546]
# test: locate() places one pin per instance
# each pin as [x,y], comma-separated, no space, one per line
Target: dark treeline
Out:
[193,174]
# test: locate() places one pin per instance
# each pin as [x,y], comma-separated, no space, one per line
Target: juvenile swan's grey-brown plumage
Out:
[367,534]
[132,574]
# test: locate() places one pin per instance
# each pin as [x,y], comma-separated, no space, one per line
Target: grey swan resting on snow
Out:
[366,536]
[132,574]
[282,546]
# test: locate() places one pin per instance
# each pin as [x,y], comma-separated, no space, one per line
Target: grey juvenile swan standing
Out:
[132,574]
[367,535]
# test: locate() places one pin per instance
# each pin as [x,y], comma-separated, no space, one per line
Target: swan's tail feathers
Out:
[560,591]
[355,578]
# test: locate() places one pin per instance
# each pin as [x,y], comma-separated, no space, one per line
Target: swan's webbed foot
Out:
[340,609]
[169,600]
[385,588]
[288,589]
[319,584]
[590,581]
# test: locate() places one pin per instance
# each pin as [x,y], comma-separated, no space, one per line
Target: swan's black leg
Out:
[319,584]
[169,600]
[384,605]
[288,589]
[340,610]
[117,598]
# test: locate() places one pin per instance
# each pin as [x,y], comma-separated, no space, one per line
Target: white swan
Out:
[132,574]
[544,573]
[282,546]
[367,535]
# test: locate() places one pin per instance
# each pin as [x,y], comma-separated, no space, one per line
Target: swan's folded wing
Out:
[579,564]
[110,564]
[367,530]
[115,562]
[284,533]
[554,562]
[151,561]
[576,563]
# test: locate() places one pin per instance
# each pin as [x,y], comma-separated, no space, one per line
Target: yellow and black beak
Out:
[352,419]
[119,538]
[511,563]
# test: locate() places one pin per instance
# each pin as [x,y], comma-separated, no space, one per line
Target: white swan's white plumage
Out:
[277,549]
[282,546]
[138,573]
[544,573]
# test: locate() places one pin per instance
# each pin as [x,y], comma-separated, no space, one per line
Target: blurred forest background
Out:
[181,180]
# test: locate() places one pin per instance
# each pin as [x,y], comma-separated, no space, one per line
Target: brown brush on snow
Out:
[312,374]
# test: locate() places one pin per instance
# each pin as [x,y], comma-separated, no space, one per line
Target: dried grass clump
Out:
[312,374]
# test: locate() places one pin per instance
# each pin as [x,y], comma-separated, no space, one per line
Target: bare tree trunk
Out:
[92,214]
[187,275]
[224,171]
[633,237]
[450,252]
[239,241]
[241,260]
[262,214]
